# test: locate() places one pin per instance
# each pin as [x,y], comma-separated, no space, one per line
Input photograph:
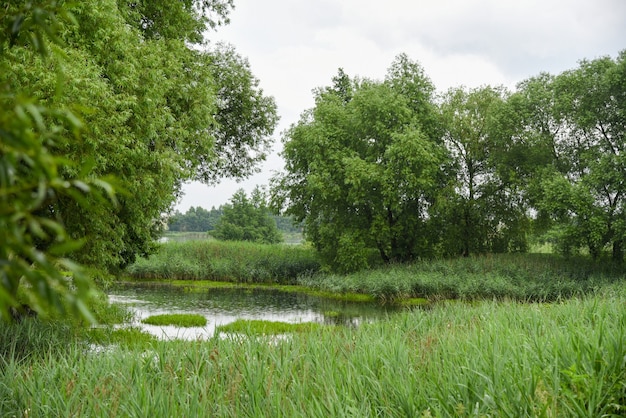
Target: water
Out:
[224,305]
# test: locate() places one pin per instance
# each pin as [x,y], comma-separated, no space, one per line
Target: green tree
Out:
[247,219]
[33,248]
[156,114]
[584,190]
[196,219]
[153,111]
[245,119]
[482,210]
[362,167]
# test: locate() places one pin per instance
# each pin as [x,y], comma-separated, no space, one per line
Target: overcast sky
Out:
[294,46]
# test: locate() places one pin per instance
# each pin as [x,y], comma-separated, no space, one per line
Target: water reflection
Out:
[222,306]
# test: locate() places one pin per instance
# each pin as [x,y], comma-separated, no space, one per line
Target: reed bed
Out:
[240,262]
[520,277]
[487,358]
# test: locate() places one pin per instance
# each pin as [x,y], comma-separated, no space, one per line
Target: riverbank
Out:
[456,359]
[520,277]
[510,335]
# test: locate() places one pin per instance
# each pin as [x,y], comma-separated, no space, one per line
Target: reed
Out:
[241,262]
[521,277]
[487,358]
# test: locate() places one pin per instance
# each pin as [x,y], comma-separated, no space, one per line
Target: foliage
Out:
[482,209]
[566,147]
[199,219]
[155,111]
[230,261]
[259,327]
[374,168]
[483,359]
[584,193]
[35,174]
[361,168]
[247,219]
[245,119]
[195,219]
[179,320]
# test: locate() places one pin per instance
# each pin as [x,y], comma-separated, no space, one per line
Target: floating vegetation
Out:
[261,327]
[179,320]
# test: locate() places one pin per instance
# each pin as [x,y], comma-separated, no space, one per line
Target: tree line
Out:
[244,218]
[389,170]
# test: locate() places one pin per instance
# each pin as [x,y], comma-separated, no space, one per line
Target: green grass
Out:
[128,337]
[179,320]
[522,277]
[240,262]
[487,358]
[261,327]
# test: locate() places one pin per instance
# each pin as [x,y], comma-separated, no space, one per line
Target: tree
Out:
[585,190]
[33,248]
[156,114]
[247,219]
[196,219]
[245,119]
[362,167]
[151,107]
[482,210]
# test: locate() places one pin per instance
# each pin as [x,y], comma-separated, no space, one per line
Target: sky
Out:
[295,46]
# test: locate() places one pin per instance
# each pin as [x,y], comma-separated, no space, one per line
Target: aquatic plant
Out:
[241,262]
[486,358]
[262,327]
[179,320]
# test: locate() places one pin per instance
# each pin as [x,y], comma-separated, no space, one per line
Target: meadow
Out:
[486,358]
[527,335]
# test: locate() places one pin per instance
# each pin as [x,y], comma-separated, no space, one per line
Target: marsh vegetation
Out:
[456,359]
[408,198]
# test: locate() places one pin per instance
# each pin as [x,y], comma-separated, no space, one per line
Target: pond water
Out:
[224,305]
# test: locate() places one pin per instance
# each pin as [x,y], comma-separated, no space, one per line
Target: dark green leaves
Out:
[247,219]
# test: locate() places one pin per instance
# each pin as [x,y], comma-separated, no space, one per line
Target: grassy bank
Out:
[522,277]
[240,262]
[483,359]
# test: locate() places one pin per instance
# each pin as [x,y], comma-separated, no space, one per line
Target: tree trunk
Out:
[618,251]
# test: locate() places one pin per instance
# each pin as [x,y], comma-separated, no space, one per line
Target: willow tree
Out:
[362,167]
[157,112]
[483,208]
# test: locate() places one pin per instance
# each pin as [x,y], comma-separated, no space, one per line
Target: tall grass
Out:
[227,261]
[523,277]
[485,359]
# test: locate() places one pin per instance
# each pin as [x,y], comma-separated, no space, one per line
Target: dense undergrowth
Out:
[487,358]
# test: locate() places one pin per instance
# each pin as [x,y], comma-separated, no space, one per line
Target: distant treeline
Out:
[198,219]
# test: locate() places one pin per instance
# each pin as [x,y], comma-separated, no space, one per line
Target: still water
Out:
[222,306]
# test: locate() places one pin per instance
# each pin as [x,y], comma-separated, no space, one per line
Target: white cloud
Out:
[295,46]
